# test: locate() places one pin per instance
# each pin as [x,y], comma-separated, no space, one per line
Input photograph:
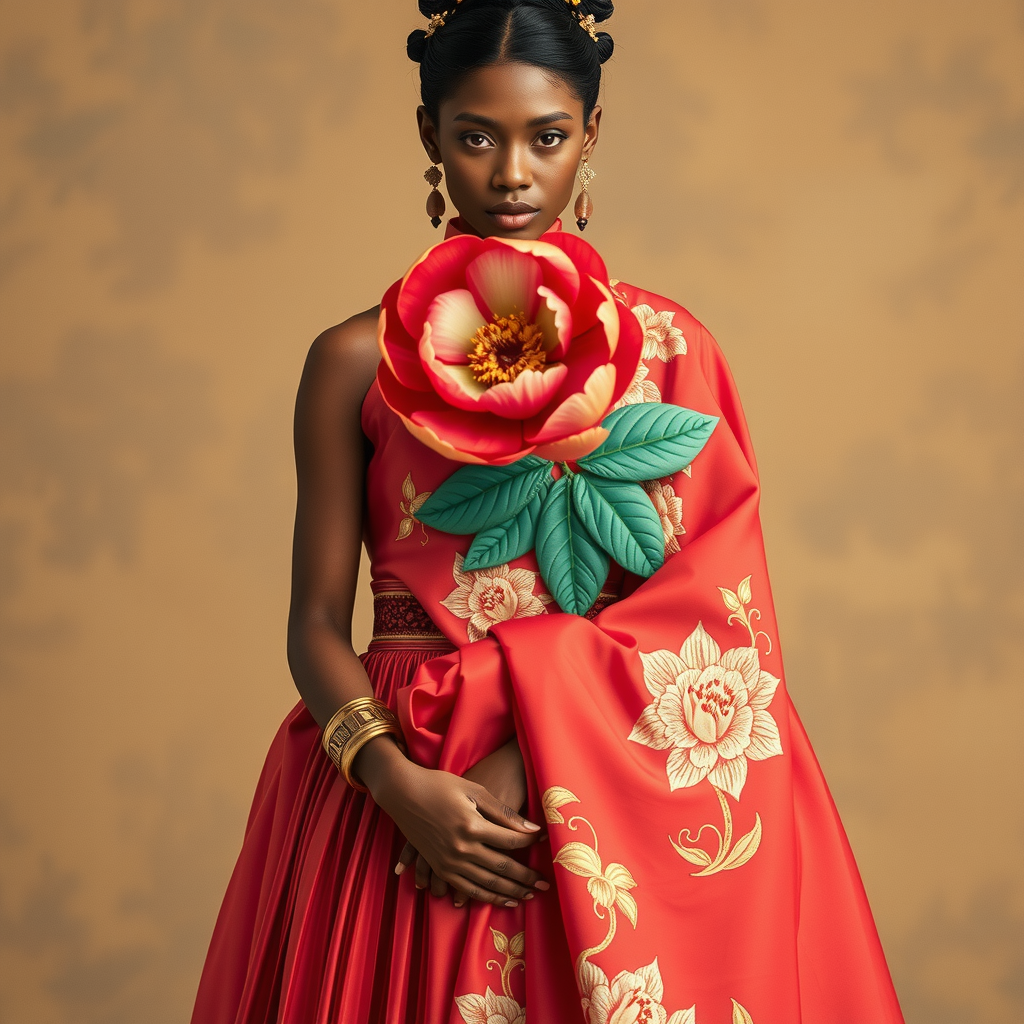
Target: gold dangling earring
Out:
[435,201]
[584,204]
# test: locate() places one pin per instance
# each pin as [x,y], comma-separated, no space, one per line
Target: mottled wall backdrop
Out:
[193,189]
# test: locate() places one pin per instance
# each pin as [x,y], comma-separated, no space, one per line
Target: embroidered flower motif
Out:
[409,507]
[487,596]
[490,1008]
[640,389]
[669,507]
[711,709]
[631,997]
[609,886]
[661,339]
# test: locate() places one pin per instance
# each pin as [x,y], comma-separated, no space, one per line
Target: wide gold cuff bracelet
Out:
[352,726]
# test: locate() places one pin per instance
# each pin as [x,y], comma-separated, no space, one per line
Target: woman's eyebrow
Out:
[490,122]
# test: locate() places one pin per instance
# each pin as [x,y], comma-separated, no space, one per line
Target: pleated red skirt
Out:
[312,928]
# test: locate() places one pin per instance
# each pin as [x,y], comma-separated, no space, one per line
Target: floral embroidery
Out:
[633,997]
[409,507]
[613,284]
[736,602]
[710,710]
[491,1008]
[489,596]
[661,338]
[640,389]
[669,507]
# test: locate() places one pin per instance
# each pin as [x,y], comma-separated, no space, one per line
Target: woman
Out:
[566,784]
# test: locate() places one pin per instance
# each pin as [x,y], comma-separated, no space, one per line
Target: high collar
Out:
[455,227]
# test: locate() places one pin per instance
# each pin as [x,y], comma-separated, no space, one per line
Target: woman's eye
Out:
[550,139]
[476,140]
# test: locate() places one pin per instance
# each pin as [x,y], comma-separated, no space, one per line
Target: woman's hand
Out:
[502,774]
[464,833]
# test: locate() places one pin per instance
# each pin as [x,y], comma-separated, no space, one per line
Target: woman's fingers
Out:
[505,866]
[473,889]
[422,872]
[507,817]
[405,858]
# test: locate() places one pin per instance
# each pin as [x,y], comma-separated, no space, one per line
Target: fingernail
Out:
[541,884]
[530,825]
[528,896]
[399,868]
[511,903]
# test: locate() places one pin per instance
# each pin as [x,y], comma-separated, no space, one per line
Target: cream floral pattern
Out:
[631,996]
[640,389]
[489,596]
[662,339]
[669,507]
[710,710]
[492,1007]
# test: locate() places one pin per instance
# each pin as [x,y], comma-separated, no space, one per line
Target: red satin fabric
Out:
[316,928]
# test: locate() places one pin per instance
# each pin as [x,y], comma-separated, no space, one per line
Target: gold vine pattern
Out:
[491,1007]
[634,995]
[409,506]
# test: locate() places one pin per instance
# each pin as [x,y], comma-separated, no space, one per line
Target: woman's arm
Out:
[456,823]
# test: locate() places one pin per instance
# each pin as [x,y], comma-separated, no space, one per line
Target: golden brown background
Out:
[192,190]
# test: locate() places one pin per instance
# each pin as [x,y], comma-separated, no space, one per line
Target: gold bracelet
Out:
[353,725]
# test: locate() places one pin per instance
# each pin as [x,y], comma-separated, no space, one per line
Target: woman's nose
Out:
[513,172]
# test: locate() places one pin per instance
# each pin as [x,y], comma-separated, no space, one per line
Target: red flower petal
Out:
[397,349]
[440,269]
[526,395]
[504,282]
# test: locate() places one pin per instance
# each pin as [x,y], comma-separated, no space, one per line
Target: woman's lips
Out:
[512,216]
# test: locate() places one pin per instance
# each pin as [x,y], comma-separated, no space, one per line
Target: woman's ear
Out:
[591,132]
[428,134]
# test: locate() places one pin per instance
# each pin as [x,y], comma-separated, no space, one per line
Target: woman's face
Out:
[510,138]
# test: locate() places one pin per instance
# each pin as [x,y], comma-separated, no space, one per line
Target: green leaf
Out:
[647,441]
[622,519]
[571,563]
[476,498]
[507,541]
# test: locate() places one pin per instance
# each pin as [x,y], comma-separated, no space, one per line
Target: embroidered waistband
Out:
[399,617]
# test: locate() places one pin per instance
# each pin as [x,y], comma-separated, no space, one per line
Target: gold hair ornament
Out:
[586,22]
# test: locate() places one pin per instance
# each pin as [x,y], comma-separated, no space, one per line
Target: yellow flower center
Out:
[506,347]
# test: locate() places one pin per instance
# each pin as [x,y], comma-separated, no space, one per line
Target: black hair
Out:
[478,33]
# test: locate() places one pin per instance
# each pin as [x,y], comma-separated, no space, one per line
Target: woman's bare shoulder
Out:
[343,359]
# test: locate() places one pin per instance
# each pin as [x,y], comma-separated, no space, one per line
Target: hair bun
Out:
[416,46]
[430,7]
[605,46]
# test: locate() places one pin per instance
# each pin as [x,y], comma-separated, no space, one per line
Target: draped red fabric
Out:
[700,872]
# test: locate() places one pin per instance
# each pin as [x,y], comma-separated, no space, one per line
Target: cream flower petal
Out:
[464,579]
[581,410]
[704,755]
[651,976]
[523,580]
[764,737]
[533,605]
[729,775]
[744,660]
[670,710]
[682,771]
[504,281]
[454,320]
[660,670]
[763,692]
[650,730]
[737,739]
[473,629]
[699,650]
[526,395]
[457,602]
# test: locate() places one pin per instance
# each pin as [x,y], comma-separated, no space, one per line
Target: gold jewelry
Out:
[438,20]
[587,21]
[584,204]
[435,201]
[351,727]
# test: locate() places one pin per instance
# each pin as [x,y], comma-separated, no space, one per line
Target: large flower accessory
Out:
[511,355]
[494,348]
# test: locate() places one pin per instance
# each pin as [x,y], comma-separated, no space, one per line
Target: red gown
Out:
[700,872]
